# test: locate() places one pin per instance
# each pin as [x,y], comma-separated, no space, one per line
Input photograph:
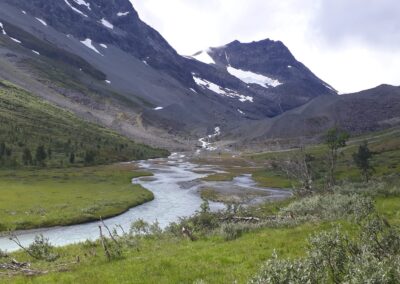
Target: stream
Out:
[175,185]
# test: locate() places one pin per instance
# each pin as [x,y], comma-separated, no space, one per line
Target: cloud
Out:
[374,22]
[351,44]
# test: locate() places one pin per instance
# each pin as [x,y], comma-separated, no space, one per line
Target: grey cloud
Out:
[376,22]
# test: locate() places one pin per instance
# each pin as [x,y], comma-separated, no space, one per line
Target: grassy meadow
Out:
[35,198]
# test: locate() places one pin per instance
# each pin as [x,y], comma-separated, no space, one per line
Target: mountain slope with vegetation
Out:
[36,133]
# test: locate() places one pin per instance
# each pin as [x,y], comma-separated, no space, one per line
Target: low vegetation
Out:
[34,133]
[37,198]
[342,233]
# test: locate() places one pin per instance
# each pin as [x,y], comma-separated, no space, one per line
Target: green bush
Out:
[332,257]
[41,249]
[231,231]
[330,207]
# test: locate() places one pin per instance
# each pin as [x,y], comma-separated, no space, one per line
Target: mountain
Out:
[99,60]
[357,113]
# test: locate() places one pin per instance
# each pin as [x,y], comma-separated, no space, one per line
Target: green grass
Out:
[27,122]
[272,179]
[170,261]
[220,177]
[389,207]
[43,198]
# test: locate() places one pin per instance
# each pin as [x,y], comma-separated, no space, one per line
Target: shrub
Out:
[373,257]
[330,207]
[41,249]
[230,231]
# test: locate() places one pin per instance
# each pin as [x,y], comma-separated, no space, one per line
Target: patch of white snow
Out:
[107,24]
[2,29]
[145,62]
[108,81]
[252,78]
[88,43]
[16,40]
[81,2]
[42,21]
[222,91]
[241,112]
[74,9]
[103,45]
[23,12]
[158,108]
[35,52]
[122,14]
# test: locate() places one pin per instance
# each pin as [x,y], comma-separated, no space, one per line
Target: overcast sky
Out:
[351,44]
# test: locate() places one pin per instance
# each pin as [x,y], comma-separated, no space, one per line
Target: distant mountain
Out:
[99,60]
[271,69]
[357,113]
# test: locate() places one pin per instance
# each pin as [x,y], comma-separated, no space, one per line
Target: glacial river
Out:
[175,186]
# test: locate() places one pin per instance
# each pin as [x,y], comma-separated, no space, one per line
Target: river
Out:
[175,185]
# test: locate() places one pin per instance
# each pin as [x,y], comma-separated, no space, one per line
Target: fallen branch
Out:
[241,219]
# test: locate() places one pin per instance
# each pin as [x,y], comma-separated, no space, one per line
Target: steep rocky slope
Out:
[97,58]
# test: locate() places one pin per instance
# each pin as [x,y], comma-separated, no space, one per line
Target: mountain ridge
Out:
[100,60]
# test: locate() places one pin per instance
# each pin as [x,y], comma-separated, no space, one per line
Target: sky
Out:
[351,44]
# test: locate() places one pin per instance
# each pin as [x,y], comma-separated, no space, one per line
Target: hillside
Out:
[101,61]
[363,112]
[28,122]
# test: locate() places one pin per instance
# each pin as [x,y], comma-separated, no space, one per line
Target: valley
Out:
[125,160]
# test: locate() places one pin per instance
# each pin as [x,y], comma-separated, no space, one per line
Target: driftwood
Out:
[15,268]
[241,219]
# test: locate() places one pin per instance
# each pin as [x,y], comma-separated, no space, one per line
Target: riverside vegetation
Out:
[346,232]
[53,165]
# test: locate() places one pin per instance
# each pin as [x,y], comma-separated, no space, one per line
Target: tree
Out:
[362,160]
[72,158]
[40,155]
[334,139]
[2,149]
[27,157]
[90,157]
[298,167]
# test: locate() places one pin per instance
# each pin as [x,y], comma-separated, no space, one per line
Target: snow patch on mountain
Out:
[74,9]
[103,45]
[3,31]
[88,43]
[241,112]
[35,52]
[221,91]
[107,24]
[253,78]
[204,57]
[108,81]
[16,40]
[23,12]
[81,2]
[42,21]
[158,108]
[122,14]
